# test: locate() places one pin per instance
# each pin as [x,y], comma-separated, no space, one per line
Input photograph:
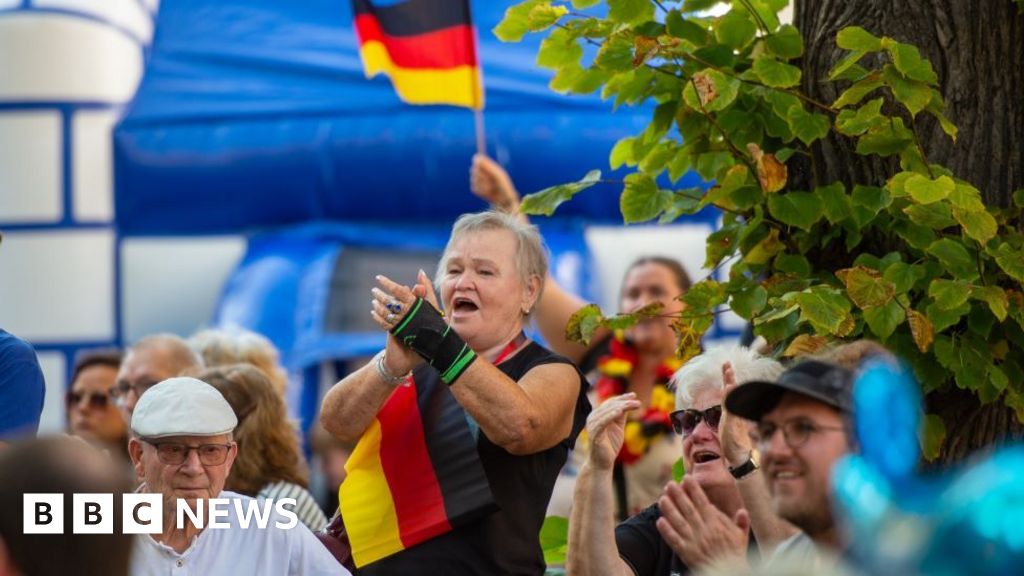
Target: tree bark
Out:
[977,50]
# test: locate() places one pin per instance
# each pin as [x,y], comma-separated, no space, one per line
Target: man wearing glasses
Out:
[183,449]
[152,359]
[803,427]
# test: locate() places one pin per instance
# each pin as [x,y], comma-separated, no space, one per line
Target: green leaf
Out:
[885,139]
[547,200]
[622,153]
[824,307]
[920,237]
[866,287]
[915,96]
[581,4]
[544,16]
[996,299]
[955,257]
[642,200]
[942,319]
[846,65]
[868,201]
[630,11]
[925,190]
[904,276]
[748,302]
[515,24]
[686,29]
[800,209]
[857,38]
[615,54]
[949,294]
[793,264]
[786,42]
[721,90]
[705,296]
[897,184]
[554,539]
[711,164]
[907,59]
[582,324]
[776,74]
[559,49]
[979,225]
[932,436]
[855,123]
[936,216]
[684,202]
[679,165]
[678,471]
[1011,261]
[858,91]
[720,244]
[883,320]
[573,78]
[806,126]
[966,197]
[734,29]
[935,108]
[836,202]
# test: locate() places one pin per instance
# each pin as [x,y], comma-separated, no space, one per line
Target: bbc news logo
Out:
[144,513]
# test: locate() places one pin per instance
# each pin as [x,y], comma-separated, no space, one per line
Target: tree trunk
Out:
[977,50]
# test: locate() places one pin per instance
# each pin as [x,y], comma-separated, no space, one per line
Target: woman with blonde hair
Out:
[221,346]
[269,463]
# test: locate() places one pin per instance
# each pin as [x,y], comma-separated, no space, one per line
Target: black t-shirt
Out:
[645,551]
[506,541]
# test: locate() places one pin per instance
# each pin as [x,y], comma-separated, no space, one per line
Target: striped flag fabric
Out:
[426,47]
[415,474]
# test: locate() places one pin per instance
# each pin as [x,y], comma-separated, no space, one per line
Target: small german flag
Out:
[415,473]
[427,47]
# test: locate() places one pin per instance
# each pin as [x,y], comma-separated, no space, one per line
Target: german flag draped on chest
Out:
[415,473]
[426,47]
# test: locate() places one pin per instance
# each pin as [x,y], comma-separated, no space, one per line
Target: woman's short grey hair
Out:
[531,254]
[704,372]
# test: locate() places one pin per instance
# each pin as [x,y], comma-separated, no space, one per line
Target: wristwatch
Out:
[752,463]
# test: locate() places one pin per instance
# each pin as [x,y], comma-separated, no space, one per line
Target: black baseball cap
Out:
[821,381]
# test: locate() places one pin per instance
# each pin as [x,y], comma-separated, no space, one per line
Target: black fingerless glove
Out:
[424,330]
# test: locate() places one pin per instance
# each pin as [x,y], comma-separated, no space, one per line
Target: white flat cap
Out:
[182,407]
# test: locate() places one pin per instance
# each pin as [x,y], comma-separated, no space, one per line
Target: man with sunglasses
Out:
[649,543]
[803,427]
[183,449]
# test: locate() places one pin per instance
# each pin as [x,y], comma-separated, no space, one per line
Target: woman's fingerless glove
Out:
[424,330]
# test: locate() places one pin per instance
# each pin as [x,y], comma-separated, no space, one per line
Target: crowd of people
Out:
[592,433]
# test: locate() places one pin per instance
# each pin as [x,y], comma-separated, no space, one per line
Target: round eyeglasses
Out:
[794,432]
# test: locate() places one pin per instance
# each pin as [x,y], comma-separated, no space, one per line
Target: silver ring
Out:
[390,318]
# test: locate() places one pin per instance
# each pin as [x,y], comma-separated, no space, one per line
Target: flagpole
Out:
[481,142]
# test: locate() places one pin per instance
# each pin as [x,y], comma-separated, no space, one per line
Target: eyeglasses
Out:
[175,453]
[121,389]
[684,422]
[795,432]
[93,400]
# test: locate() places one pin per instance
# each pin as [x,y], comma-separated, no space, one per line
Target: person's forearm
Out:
[521,417]
[767,527]
[554,309]
[351,405]
[592,548]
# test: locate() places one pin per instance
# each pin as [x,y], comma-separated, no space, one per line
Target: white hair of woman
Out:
[704,372]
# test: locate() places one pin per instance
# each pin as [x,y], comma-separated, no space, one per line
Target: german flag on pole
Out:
[415,473]
[427,47]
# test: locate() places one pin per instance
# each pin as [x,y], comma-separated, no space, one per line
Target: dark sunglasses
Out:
[93,400]
[684,422]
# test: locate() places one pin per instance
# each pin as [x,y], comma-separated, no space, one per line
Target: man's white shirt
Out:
[252,551]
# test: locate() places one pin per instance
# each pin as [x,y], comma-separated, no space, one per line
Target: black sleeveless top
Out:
[506,541]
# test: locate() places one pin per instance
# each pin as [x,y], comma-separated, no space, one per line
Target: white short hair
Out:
[704,372]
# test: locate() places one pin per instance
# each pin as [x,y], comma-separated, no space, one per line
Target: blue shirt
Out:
[22,388]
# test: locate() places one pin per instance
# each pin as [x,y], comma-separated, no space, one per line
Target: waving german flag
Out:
[427,47]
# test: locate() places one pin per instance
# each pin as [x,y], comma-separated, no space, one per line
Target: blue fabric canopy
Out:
[256,113]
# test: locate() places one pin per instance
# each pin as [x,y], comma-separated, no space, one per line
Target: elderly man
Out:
[650,544]
[152,359]
[182,449]
[803,427]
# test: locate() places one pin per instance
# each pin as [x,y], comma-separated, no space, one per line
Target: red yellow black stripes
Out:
[426,47]
[415,473]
